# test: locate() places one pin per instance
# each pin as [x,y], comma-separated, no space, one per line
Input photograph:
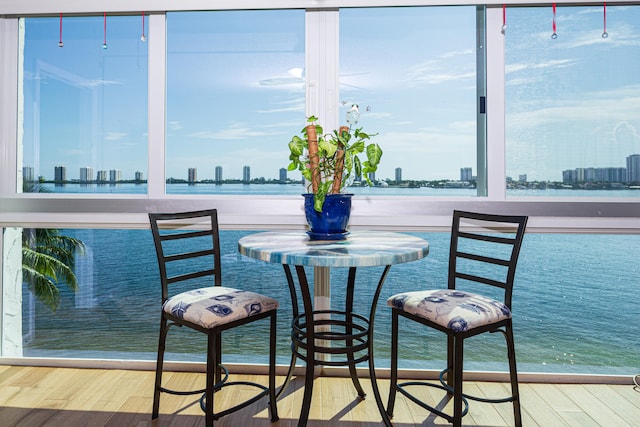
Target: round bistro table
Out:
[322,336]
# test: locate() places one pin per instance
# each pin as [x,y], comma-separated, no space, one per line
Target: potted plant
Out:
[328,164]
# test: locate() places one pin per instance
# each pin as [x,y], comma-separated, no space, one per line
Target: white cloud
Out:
[234,132]
[97,83]
[175,125]
[114,136]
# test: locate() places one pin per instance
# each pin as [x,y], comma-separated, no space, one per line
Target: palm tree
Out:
[48,259]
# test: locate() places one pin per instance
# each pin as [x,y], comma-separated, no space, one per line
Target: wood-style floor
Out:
[67,397]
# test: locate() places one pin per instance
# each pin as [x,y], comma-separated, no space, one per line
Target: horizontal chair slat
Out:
[481,279]
[187,255]
[487,237]
[490,260]
[190,276]
[184,235]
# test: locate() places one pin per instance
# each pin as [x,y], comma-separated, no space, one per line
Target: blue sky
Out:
[235,87]
[572,101]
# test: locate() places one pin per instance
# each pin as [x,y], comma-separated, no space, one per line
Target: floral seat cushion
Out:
[453,309]
[218,305]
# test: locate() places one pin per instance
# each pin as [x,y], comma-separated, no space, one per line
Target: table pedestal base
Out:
[332,338]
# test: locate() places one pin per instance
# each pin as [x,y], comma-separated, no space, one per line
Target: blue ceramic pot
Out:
[332,222]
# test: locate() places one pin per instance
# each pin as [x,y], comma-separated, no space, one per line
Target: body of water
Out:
[575,305]
[296,189]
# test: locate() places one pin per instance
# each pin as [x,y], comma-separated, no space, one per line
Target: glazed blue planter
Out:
[332,222]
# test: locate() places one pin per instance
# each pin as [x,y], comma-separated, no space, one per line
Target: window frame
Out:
[277,212]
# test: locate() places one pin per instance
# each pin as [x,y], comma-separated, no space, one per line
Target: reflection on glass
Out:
[84,107]
[572,102]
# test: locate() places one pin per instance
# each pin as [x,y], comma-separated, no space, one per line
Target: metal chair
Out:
[188,250]
[483,255]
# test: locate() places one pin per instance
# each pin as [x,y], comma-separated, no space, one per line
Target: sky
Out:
[235,90]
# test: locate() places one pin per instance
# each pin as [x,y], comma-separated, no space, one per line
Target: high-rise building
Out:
[283,174]
[27,174]
[115,175]
[218,178]
[102,176]
[246,174]
[138,176]
[60,173]
[398,174]
[614,175]
[568,176]
[193,175]
[633,169]
[86,174]
[466,174]
[581,175]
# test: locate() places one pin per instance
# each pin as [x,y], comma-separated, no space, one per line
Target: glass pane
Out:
[412,73]
[572,102]
[118,299]
[84,106]
[235,88]
[570,293]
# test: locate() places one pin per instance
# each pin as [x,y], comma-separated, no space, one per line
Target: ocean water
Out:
[576,300]
[576,303]
[293,189]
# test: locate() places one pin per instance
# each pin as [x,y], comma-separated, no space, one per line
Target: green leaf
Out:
[328,147]
[374,154]
[296,146]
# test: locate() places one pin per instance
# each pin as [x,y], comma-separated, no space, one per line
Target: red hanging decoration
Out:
[60,42]
[104,43]
[143,37]
[555,34]
[504,18]
[604,31]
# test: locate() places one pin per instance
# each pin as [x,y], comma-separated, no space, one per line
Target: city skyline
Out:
[628,174]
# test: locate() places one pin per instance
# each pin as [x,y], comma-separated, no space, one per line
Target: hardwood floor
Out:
[68,397]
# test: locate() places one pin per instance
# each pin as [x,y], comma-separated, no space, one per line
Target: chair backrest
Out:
[188,248]
[484,250]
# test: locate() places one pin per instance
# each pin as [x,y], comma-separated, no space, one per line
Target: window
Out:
[572,101]
[84,105]
[76,101]
[118,299]
[235,96]
[412,73]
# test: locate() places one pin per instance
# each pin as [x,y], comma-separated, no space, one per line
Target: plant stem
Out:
[314,159]
[337,177]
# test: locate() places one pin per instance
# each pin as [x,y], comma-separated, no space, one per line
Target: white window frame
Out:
[273,212]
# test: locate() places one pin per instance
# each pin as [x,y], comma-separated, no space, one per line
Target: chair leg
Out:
[394,363]
[162,339]
[273,407]
[450,360]
[212,373]
[217,367]
[457,380]
[511,353]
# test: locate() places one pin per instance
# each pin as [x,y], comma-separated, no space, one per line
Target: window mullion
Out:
[495,105]
[321,73]
[157,105]
[8,102]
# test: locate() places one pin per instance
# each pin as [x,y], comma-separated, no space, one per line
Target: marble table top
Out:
[359,249]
